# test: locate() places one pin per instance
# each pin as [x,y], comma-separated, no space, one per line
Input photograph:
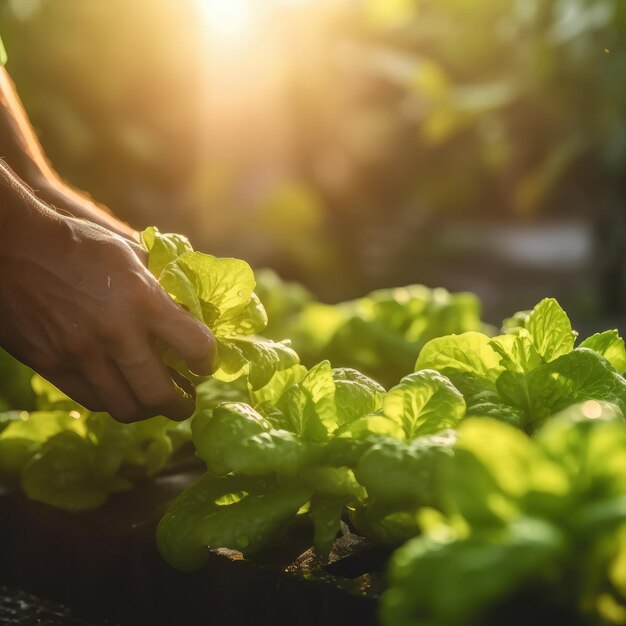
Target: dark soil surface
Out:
[102,569]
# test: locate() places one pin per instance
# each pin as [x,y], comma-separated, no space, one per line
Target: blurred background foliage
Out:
[350,144]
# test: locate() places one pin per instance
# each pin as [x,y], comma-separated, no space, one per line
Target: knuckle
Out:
[162,304]
[135,361]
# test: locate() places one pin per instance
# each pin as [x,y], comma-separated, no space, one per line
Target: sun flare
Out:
[227,18]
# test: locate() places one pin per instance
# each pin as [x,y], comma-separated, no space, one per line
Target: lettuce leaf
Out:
[230,512]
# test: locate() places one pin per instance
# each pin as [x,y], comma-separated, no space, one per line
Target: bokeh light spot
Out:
[592,409]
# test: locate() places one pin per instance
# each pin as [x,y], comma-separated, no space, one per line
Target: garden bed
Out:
[105,566]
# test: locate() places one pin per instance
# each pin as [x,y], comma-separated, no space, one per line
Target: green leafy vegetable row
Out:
[500,459]
[502,521]
[377,455]
[63,455]
[380,334]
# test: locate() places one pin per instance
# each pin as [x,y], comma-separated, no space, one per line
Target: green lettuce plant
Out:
[220,293]
[521,377]
[532,530]
[269,461]
[380,334]
[532,370]
[70,458]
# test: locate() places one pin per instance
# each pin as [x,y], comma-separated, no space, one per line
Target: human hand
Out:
[81,309]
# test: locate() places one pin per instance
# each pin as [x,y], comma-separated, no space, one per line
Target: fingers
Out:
[186,335]
[111,389]
[127,378]
[136,386]
[150,382]
[77,388]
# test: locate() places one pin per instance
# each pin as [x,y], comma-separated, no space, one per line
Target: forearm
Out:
[21,149]
[20,210]
[64,198]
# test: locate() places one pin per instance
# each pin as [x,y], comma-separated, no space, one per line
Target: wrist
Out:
[22,215]
[66,200]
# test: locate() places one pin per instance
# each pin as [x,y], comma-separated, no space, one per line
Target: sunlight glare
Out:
[227,18]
